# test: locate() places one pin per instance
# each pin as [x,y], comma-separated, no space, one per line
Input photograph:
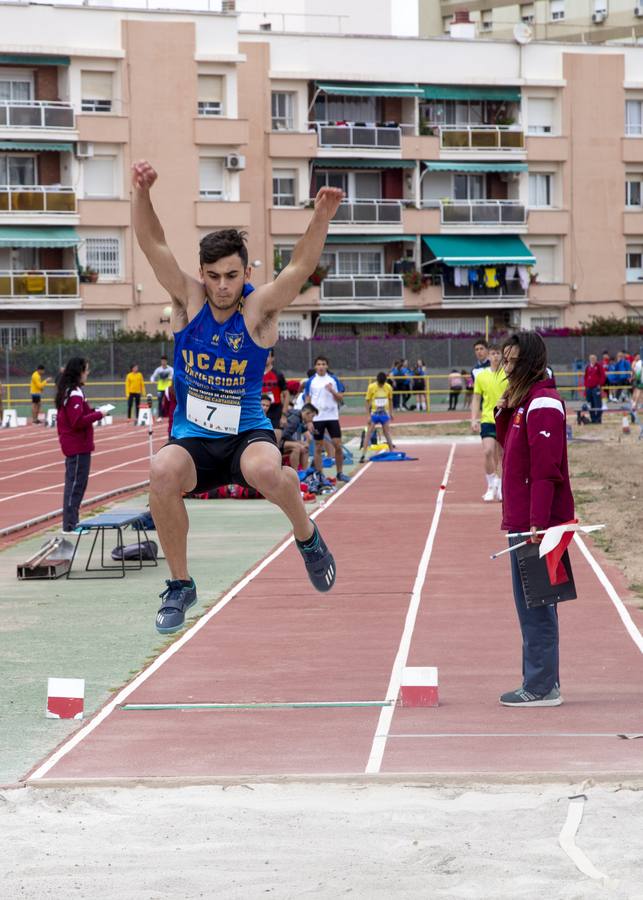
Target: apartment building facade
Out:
[482,179]
[589,21]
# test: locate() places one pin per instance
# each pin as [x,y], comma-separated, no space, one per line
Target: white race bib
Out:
[381,402]
[213,414]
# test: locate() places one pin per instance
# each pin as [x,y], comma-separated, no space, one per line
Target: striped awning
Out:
[58,236]
[362,163]
[456,166]
[43,146]
[479,250]
[368,89]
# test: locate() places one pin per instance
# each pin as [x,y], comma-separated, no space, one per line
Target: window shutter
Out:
[210,88]
[97,85]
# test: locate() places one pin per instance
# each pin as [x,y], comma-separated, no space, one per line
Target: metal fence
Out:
[111,360]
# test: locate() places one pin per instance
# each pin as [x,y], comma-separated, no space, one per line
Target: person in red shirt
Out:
[595,378]
[536,493]
[74,421]
[275,385]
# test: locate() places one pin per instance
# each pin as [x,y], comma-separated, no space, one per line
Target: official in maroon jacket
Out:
[536,493]
[74,420]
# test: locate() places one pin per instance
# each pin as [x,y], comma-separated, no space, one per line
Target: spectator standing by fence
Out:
[134,390]
[162,377]
[74,422]
[456,383]
[37,386]
[595,377]
[419,385]
[379,409]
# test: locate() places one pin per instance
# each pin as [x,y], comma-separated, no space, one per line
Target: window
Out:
[283,111]
[540,185]
[15,89]
[288,328]
[211,177]
[210,95]
[353,262]
[283,187]
[99,176]
[18,170]
[633,190]
[104,255]
[468,187]
[633,117]
[96,89]
[540,115]
[527,14]
[544,322]
[345,109]
[486,19]
[282,254]
[634,263]
[545,262]
[102,329]
[557,10]
[331,179]
[17,334]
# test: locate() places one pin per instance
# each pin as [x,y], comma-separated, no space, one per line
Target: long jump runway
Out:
[288,682]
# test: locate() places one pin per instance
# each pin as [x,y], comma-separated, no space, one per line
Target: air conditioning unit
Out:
[84,149]
[599,17]
[638,11]
[235,161]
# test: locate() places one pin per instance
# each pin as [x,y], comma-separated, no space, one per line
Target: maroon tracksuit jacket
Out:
[74,423]
[535,475]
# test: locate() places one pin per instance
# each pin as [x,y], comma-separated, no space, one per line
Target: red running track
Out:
[277,640]
[32,471]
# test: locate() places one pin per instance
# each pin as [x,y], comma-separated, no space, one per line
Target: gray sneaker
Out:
[521,697]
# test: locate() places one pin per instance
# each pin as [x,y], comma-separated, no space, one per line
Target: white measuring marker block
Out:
[52,415]
[419,686]
[65,698]
[106,420]
[144,417]
[9,418]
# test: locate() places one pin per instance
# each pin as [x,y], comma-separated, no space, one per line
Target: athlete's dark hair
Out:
[495,347]
[381,378]
[321,359]
[222,243]
[481,343]
[530,366]
[266,397]
[308,407]
[70,378]
[40,367]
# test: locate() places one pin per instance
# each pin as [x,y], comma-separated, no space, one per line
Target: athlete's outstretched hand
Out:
[143,175]
[327,201]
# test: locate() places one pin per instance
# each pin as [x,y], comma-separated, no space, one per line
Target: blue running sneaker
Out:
[342,477]
[318,560]
[177,598]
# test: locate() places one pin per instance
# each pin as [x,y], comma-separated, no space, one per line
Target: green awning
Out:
[373,317]
[479,250]
[453,92]
[366,89]
[36,145]
[368,238]
[31,59]
[363,163]
[38,237]
[475,167]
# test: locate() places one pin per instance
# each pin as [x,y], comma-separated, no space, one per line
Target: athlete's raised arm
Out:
[273,297]
[151,238]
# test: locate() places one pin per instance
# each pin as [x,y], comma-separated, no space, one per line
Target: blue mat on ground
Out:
[391,456]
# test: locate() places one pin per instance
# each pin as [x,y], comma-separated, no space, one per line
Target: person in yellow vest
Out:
[379,409]
[490,385]
[134,388]
[162,376]
[37,386]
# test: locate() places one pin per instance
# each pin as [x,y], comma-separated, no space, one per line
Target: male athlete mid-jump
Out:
[223,329]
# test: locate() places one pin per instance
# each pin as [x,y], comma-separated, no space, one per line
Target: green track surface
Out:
[103,630]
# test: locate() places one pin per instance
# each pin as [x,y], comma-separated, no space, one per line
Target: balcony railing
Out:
[481,137]
[36,114]
[362,287]
[384,137]
[37,199]
[481,212]
[369,212]
[39,283]
[512,288]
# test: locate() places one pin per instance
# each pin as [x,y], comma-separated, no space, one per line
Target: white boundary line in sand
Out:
[102,714]
[610,590]
[567,841]
[386,716]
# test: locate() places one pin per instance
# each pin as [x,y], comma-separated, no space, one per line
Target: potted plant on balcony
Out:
[88,275]
[425,128]
[315,278]
[415,280]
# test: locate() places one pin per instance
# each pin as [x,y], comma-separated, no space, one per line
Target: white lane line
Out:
[621,609]
[55,445]
[76,738]
[567,836]
[509,734]
[386,716]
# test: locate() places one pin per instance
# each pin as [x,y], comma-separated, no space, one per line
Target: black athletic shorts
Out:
[218,460]
[331,426]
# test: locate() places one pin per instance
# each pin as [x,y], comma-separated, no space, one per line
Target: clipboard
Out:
[538,589]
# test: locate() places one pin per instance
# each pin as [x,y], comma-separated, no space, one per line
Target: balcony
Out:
[377,137]
[481,137]
[37,199]
[472,295]
[39,289]
[368,212]
[339,289]
[482,212]
[25,114]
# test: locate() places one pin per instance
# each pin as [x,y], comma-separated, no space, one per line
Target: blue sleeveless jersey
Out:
[218,373]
